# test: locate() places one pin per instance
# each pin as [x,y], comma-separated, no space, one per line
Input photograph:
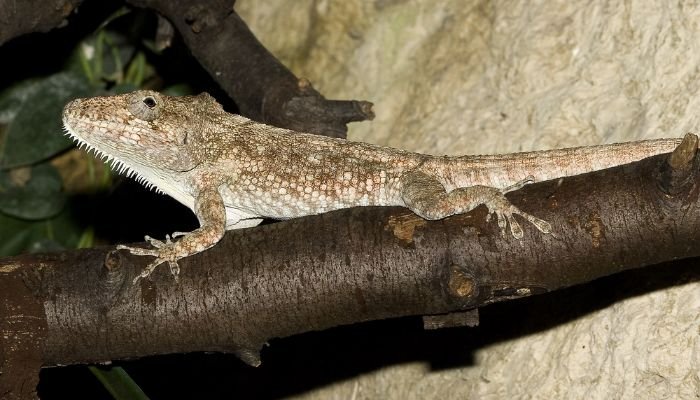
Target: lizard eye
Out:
[144,106]
[149,101]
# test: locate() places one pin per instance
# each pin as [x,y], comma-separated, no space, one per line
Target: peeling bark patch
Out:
[24,329]
[9,268]
[596,229]
[404,226]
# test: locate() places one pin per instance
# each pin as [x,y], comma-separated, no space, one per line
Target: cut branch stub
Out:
[304,109]
[676,176]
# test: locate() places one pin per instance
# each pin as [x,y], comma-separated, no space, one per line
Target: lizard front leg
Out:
[425,196]
[210,210]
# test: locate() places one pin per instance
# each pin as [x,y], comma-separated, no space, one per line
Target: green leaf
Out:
[83,58]
[44,246]
[35,133]
[87,239]
[60,232]
[119,50]
[102,56]
[136,71]
[118,383]
[11,99]
[178,89]
[34,197]
[122,88]
[16,235]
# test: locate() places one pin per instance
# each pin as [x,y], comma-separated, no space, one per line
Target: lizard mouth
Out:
[115,163]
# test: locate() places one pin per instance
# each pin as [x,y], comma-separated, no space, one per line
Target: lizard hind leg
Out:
[425,196]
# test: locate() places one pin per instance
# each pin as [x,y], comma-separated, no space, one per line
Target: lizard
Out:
[232,172]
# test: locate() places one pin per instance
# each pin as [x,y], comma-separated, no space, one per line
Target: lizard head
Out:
[141,132]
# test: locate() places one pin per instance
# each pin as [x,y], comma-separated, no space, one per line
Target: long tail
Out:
[504,170]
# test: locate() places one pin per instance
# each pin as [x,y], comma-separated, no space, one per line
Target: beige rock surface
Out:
[458,77]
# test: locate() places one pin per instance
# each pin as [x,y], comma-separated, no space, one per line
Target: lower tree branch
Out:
[349,266]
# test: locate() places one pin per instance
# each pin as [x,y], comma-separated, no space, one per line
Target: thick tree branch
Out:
[349,266]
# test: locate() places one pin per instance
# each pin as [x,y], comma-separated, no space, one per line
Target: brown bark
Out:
[348,266]
[21,17]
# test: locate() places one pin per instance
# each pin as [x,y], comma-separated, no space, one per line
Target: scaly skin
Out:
[232,172]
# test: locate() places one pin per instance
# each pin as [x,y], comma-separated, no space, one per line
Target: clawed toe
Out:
[139,251]
[162,251]
[158,244]
[174,269]
[518,185]
[515,228]
[506,218]
[148,270]
[541,225]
